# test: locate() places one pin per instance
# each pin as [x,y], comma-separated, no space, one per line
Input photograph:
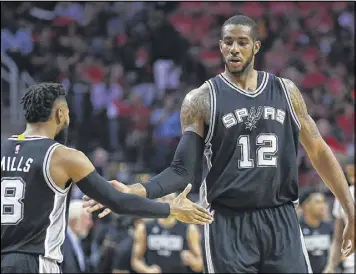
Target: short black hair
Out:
[39,99]
[242,20]
[307,193]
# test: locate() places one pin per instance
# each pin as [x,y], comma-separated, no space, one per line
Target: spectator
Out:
[316,231]
[166,130]
[79,223]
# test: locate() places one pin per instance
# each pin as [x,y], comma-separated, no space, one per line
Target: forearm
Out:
[99,189]
[334,254]
[182,170]
[330,171]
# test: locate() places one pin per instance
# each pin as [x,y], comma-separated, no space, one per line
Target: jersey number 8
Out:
[12,207]
[265,153]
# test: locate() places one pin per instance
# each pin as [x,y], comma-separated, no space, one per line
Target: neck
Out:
[167,222]
[311,221]
[40,129]
[247,81]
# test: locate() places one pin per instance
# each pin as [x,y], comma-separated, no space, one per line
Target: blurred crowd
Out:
[128,65]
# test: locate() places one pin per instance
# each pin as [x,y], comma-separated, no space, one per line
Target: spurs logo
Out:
[253,117]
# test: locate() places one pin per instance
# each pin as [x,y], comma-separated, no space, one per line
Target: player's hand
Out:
[187,257]
[93,205]
[348,238]
[186,211]
[154,269]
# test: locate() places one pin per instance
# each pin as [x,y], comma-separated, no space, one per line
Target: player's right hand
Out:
[186,211]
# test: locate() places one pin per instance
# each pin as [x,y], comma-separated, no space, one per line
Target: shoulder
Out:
[68,156]
[196,104]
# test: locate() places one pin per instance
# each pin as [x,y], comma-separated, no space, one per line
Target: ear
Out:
[256,47]
[59,115]
[220,45]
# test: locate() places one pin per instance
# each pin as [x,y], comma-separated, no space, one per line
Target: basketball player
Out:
[335,255]
[36,176]
[246,124]
[166,246]
[316,230]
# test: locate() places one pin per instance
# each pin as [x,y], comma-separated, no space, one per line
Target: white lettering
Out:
[28,165]
[3,163]
[240,113]
[13,164]
[229,120]
[269,111]
[281,115]
[19,165]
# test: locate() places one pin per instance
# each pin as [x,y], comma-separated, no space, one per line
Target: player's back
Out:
[33,207]
[251,146]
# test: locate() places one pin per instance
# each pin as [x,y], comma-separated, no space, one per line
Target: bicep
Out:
[309,136]
[309,132]
[76,164]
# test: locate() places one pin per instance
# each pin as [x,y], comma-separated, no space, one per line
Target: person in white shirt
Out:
[335,256]
[79,224]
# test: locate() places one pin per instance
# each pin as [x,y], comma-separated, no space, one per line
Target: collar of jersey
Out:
[254,93]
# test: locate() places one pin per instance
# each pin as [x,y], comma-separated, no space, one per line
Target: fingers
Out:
[347,247]
[105,212]
[86,198]
[185,191]
[95,208]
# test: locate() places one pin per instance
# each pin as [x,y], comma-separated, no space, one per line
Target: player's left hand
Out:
[348,238]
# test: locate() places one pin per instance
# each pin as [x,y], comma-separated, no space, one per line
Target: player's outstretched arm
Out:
[325,163]
[195,112]
[77,167]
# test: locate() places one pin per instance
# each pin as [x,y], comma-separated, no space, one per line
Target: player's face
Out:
[238,48]
[317,205]
[63,121]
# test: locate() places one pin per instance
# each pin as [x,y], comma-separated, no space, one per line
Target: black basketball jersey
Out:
[33,208]
[164,246]
[317,241]
[251,146]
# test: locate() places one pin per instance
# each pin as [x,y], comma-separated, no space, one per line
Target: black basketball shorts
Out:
[260,241]
[27,263]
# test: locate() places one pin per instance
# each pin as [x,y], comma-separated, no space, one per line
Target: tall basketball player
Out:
[36,176]
[246,124]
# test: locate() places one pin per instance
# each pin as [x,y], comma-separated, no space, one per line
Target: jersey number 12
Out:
[265,153]
[12,207]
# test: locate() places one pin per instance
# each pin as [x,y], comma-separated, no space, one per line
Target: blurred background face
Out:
[81,226]
[237,48]
[316,206]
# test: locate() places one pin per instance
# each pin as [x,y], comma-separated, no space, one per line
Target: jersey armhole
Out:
[290,104]
[212,95]
[46,171]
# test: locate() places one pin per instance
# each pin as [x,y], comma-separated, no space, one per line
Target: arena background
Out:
[128,65]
